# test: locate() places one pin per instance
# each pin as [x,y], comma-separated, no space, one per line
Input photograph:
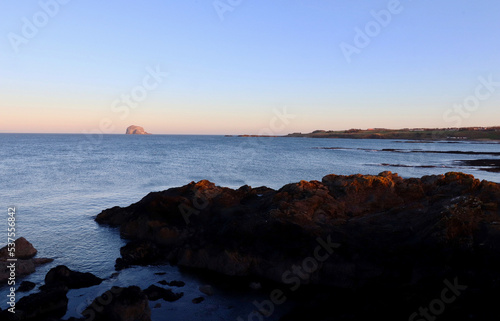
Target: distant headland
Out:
[136,130]
[462,133]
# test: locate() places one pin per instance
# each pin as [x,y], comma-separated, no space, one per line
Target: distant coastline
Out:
[453,134]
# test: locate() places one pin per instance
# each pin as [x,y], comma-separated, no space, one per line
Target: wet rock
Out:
[349,231]
[176,283]
[25,264]
[172,283]
[23,249]
[26,286]
[62,276]
[206,289]
[155,293]
[40,261]
[138,253]
[42,305]
[120,304]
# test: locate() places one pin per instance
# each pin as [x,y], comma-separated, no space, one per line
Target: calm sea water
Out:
[60,182]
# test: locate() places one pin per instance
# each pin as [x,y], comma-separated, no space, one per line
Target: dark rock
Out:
[263,232]
[155,293]
[26,286]
[198,300]
[41,306]
[120,304]
[41,261]
[62,276]
[23,249]
[138,253]
[176,283]
[367,229]
[173,283]
[206,289]
[25,264]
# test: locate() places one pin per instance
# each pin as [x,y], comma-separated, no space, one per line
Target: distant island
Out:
[136,130]
[462,133]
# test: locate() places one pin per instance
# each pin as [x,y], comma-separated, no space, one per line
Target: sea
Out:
[60,182]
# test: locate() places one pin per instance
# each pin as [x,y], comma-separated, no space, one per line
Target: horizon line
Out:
[277,135]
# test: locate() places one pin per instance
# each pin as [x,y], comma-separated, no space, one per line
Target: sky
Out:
[247,67]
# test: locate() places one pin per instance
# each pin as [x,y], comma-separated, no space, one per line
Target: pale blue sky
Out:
[227,76]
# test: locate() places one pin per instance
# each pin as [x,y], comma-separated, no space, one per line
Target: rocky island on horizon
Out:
[136,130]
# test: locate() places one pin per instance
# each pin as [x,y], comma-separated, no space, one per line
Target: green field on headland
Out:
[464,133]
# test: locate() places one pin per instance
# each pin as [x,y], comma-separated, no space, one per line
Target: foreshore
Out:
[345,247]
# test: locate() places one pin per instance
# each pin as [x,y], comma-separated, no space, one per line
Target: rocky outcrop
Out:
[25,264]
[379,225]
[62,276]
[26,286]
[140,252]
[120,304]
[155,293]
[173,283]
[136,130]
[51,302]
[23,249]
[370,233]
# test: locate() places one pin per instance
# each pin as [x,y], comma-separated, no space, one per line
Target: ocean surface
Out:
[59,182]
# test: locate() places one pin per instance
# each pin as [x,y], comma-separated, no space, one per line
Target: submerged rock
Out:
[155,293]
[173,283]
[206,289]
